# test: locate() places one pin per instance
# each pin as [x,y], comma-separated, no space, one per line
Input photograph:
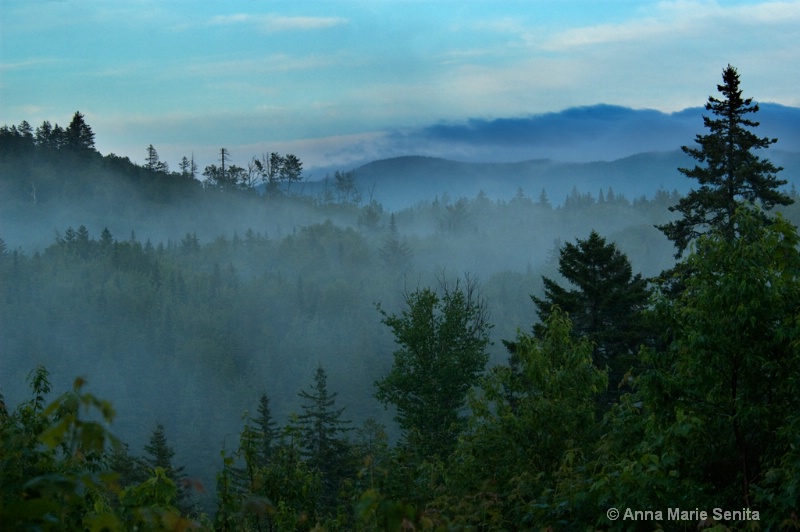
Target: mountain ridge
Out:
[406,180]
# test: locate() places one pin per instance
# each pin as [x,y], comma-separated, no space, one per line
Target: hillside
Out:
[404,181]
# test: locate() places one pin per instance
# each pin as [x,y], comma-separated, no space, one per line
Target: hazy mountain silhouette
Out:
[403,181]
[580,134]
[633,151]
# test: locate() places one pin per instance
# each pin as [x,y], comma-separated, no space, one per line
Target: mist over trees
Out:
[282,355]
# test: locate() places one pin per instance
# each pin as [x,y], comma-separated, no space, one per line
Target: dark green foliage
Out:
[532,425]
[267,434]
[606,305]
[293,489]
[322,431]
[442,338]
[130,469]
[291,170]
[79,136]
[733,362]
[158,456]
[711,422]
[731,172]
[51,460]
[371,445]
[58,465]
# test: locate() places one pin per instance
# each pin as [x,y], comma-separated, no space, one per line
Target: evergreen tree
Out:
[322,429]
[185,167]
[128,467]
[188,167]
[44,134]
[153,163]
[273,169]
[267,432]
[26,132]
[732,172]
[79,136]
[158,454]
[606,304]
[714,420]
[370,216]
[106,240]
[395,253]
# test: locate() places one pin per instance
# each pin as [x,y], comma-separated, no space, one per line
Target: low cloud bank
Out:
[581,134]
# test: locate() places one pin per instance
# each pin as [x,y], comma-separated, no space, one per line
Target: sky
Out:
[339,82]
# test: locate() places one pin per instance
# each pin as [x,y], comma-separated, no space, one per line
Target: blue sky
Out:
[340,81]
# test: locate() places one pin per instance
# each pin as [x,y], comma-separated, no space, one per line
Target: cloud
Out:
[580,134]
[673,21]
[278,23]
[243,69]
[230,19]
[27,63]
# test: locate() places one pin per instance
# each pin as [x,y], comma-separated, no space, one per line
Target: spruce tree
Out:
[395,253]
[605,304]
[158,453]
[731,173]
[322,432]
[79,136]
[267,433]
[321,424]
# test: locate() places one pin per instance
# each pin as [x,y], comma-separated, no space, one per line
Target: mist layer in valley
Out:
[182,302]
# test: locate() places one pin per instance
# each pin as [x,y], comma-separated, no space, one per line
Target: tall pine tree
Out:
[731,172]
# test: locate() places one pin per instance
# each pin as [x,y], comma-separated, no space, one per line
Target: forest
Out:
[237,349]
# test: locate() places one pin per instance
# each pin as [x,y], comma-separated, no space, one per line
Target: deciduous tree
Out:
[443,337]
[531,424]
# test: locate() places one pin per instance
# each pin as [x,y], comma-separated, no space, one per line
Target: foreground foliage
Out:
[55,462]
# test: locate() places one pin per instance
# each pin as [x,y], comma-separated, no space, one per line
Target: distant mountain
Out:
[633,151]
[402,181]
[579,134]
[598,132]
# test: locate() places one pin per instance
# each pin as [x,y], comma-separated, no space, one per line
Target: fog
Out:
[204,298]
